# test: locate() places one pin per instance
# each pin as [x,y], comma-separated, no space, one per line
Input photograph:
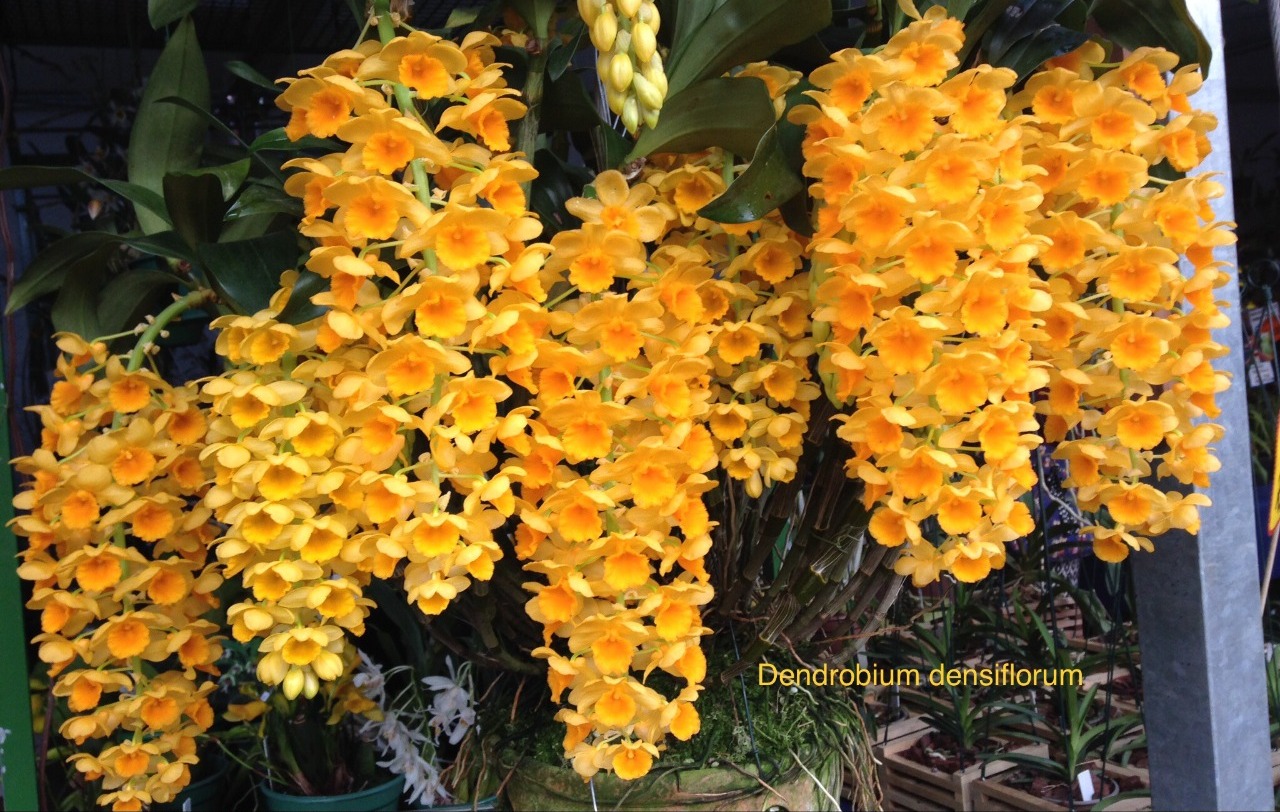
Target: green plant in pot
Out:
[1079,738]
[966,719]
[309,753]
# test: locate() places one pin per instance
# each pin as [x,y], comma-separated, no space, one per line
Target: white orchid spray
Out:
[452,712]
[401,736]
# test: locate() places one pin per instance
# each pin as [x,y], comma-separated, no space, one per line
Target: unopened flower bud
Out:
[620,72]
[589,10]
[615,98]
[649,15]
[311,685]
[655,75]
[647,92]
[644,43]
[604,30]
[650,116]
[294,682]
[631,114]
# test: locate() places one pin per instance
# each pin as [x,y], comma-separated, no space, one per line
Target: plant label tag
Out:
[1085,780]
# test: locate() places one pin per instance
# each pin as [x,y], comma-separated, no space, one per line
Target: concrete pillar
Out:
[1200,631]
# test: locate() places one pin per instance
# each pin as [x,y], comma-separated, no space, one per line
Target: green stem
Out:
[149,336]
[727,173]
[405,100]
[527,141]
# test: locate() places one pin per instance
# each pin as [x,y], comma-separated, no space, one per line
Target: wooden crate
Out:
[1066,613]
[993,795]
[907,785]
[1094,645]
[1102,679]
[910,725]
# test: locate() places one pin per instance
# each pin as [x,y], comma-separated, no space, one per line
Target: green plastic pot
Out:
[382,798]
[205,795]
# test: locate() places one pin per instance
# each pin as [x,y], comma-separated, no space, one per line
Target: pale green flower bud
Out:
[631,114]
[647,92]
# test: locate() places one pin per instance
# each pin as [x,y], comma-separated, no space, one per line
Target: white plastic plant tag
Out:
[1085,780]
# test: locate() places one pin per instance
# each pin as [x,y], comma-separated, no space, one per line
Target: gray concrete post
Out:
[1200,632]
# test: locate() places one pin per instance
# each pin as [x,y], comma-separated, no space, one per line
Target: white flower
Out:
[399,737]
[452,712]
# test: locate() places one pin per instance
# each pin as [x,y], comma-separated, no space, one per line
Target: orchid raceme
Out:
[118,553]
[993,267]
[999,270]
[625,34]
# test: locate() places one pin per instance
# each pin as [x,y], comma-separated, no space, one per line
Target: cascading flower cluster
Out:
[988,273]
[692,362]
[625,34]
[117,543]
[315,429]
[995,272]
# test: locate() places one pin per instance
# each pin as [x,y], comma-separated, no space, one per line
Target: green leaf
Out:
[76,308]
[276,140]
[167,138]
[689,16]
[1165,23]
[264,198]
[1130,795]
[231,176]
[743,31]
[129,297]
[765,185]
[1031,52]
[1038,763]
[1076,15]
[50,269]
[562,52]
[960,9]
[797,215]
[565,106]
[1022,19]
[536,14]
[557,181]
[300,307]
[459,17]
[404,622]
[209,118]
[611,148]
[975,31]
[728,113]
[25,177]
[196,206]
[163,12]
[251,75]
[163,244]
[805,56]
[246,273]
